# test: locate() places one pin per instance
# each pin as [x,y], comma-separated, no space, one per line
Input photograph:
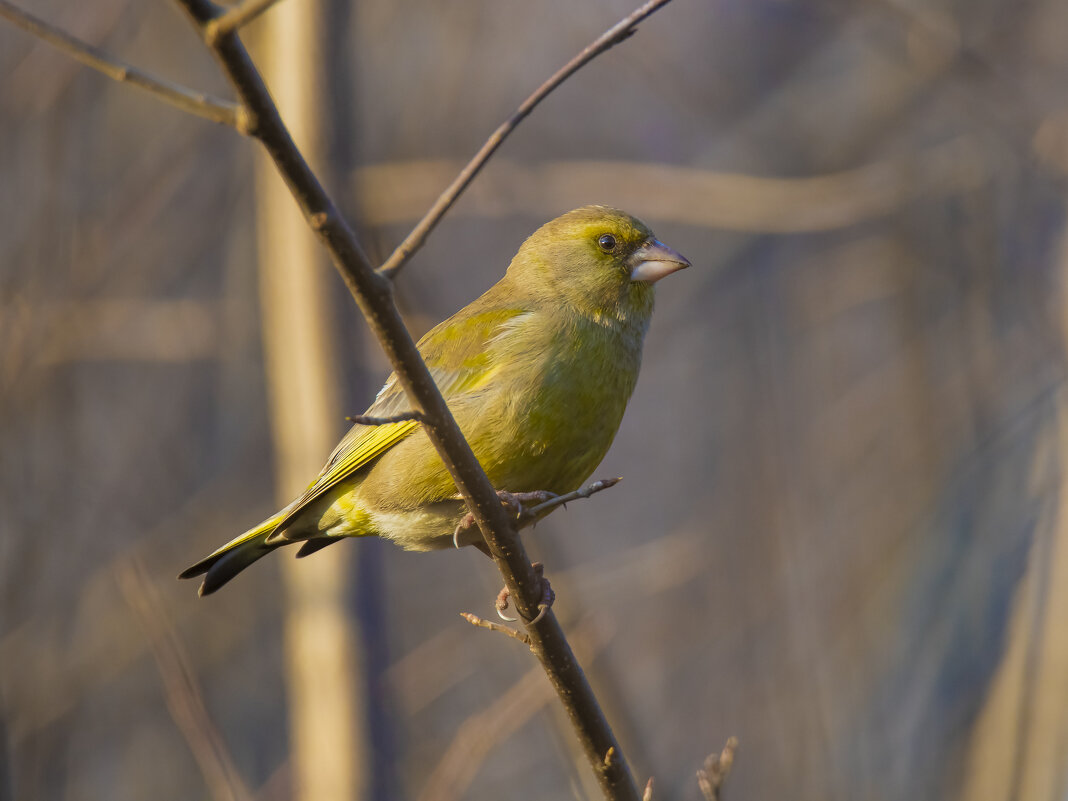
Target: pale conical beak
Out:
[653,260]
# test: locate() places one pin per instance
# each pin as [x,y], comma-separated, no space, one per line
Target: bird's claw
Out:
[501,604]
[466,523]
[547,597]
[513,501]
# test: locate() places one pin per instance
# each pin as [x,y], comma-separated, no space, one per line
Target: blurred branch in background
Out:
[396,193]
[181,688]
[324,662]
[477,736]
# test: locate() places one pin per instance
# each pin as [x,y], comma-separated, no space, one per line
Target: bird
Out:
[537,372]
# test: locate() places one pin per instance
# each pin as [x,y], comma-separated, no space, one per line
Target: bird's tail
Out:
[236,555]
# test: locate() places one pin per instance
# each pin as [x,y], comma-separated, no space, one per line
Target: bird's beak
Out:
[653,260]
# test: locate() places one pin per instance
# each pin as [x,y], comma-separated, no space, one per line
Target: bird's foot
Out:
[547,596]
[512,501]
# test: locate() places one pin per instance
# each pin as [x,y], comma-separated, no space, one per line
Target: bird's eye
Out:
[607,242]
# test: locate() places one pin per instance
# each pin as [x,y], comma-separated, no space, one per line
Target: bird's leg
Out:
[513,501]
[547,596]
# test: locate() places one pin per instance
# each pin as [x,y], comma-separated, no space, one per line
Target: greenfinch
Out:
[537,372]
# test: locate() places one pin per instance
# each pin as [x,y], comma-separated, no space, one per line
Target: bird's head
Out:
[600,260]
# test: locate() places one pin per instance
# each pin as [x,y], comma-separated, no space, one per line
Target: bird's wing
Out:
[460,362]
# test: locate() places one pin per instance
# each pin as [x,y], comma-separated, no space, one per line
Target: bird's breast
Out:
[564,391]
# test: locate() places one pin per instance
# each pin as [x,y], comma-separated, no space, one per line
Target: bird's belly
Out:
[426,528]
[346,511]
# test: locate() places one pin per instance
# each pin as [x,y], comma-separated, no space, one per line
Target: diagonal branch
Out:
[235,18]
[197,103]
[613,36]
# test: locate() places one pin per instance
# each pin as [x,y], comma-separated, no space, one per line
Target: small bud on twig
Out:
[716,769]
[482,623]
[563,500]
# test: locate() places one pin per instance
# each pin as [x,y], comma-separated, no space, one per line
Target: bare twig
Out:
[563,500]
[181,689]
[482,623]
[613,36]
[235,18]
[367,420]
[197,103]
[716,769]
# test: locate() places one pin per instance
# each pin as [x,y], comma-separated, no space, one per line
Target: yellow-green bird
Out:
[537,372]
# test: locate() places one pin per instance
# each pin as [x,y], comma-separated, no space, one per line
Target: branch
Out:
[395,192]
[482,623]
[235,18]
[373,293]
[197,103]
[564,500]
[613,36]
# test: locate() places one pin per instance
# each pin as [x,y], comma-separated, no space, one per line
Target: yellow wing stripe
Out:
[374,442]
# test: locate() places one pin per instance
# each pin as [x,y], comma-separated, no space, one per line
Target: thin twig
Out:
[563,500]
[482,623]
[186,99]
[235,18]
[717,768]
[181,689]
[613,36]
[368,420]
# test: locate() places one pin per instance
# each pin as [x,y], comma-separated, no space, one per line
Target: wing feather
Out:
[456,353]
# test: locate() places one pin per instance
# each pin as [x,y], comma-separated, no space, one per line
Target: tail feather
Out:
[311,546]
[229,560]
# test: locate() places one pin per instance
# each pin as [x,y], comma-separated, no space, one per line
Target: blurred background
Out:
[840,536]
